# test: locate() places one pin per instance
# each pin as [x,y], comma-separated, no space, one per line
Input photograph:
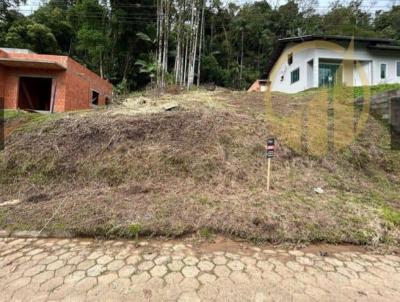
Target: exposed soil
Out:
[202,170]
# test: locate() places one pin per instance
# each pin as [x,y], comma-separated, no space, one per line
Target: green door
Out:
[328,75]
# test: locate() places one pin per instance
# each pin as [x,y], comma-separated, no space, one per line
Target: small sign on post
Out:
[270,147]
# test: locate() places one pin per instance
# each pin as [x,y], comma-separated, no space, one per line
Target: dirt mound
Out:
[200,171]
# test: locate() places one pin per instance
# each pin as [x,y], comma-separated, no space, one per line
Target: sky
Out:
[323,5]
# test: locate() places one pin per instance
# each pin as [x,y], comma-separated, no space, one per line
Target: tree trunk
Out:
[101,65]
[201,43]
[241,63]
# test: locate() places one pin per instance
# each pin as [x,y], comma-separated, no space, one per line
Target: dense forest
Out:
[184,42]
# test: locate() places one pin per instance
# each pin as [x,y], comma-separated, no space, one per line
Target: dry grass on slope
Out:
[196,170]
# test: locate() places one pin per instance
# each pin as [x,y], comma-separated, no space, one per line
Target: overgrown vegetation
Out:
[199,169]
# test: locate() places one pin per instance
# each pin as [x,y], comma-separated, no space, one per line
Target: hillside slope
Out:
[201,169]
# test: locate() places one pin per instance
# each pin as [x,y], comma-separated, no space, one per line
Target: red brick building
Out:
[48,83]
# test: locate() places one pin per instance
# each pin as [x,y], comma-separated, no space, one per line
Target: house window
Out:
[95,98]
[290,59]
[295,76]
[398,69]
[383,71]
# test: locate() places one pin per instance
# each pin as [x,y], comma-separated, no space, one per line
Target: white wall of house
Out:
[369,64]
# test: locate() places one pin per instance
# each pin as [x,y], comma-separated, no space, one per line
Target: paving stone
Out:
[149,256]
[115,265]
[304,261]
[173,278]
[207,278]
[85,284]
[347,272]
[264,265]
[86,265]
[126,271]
[96,270]
[333,261]
[34,252]
[271,278]
[34,270]
[354,266]
[205,265]
[158,271]
[20,282]
[162,260]
[107,278]
[324,266]
[190,271]
[75,277]
[235,265]
[189,297]
[296,253]
[232,256]
[67,256]
[175,265]
[146,265]
[95,255]
[239,277]
[64,271]
[220,260]
[222,271]
[122,255]
[43,276]
[40,256]
[51,284]
[191,260]
[133,259]
[121,284]
[140,278]
[337,278]
[76,260]
[294,266]
[55,265]
[104,259]
[179,247]
[176,272]
[189,284]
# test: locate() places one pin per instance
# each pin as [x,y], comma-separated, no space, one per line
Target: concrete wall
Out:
[81,81]
[2,78]
[281,82]
[369,60]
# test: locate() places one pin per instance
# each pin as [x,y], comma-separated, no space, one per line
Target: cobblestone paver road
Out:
[78,270]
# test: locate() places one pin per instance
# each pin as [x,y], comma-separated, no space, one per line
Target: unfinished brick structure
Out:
[48,83]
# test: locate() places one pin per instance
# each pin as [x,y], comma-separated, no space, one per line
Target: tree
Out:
[55,18]
[348,20]
[5,6]
[25,33]
[388,23]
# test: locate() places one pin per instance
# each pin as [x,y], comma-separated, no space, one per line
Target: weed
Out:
[390,215]
[206,233]
[134,231]
[204,200]
[6,114]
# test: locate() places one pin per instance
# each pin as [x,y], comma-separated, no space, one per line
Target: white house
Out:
[313,61]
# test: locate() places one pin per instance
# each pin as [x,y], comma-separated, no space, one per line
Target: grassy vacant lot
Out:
[198,168]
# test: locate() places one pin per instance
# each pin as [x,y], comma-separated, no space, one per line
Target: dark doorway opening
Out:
[35,93]
[108,101]
[95,98]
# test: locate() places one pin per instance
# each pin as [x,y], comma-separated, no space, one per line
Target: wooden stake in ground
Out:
[270,147]
[268,173]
